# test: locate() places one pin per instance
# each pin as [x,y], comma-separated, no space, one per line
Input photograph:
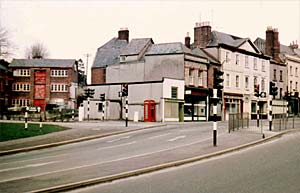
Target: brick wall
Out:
[98,75]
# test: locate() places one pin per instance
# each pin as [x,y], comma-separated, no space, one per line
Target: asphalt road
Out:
[91,159]
[273,167]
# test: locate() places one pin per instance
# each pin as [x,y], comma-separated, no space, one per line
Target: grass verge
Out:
[10,131]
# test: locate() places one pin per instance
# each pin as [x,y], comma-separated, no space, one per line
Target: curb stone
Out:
[150,169]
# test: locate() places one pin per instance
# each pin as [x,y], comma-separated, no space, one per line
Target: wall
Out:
[98,75]
[293,62]
[137,94]
[169,66]
[121,72]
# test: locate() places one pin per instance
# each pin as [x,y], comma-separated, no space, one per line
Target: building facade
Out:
[244,66]
[284,68]
[46,83]
[5,87]
[140,60]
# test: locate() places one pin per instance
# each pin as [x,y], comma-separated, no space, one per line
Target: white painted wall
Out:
[137,94]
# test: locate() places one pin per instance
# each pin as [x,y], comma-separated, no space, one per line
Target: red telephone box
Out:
[149,111]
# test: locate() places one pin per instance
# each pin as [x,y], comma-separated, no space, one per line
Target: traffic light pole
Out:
[215,126]
[88,108]
[257,111]
[103,110]
[126,111]
[270,113]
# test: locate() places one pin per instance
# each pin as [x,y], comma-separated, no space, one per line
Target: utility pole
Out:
[87,55]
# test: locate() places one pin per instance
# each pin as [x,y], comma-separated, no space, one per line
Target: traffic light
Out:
[256,90]
[124,89]
[273,89]
[102,97]
[89,93]
[218,79]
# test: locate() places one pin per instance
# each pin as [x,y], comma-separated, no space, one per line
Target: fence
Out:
[51,115]
[279,122]
[237,121]
[283,122]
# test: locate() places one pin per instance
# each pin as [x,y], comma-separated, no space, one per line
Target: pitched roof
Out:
[109,53]
[168,48]
[205,54]
[223,38]
[219,38]
[135,46]
[260,43]
[57,63]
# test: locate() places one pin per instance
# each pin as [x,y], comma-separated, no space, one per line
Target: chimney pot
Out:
[187,40]
[123,34]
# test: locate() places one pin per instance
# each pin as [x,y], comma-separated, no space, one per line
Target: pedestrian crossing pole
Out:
[88,108]
[73,115]
[26,118]
[103,110]
[126,111]
[257,111]
[270,113]
[41,124]
[215,126]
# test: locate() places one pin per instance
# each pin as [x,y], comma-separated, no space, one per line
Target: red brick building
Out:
[5,89]
[44,82]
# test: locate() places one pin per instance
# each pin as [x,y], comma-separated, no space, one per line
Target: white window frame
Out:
[255,63]
[228,80]
[237,81]
[263,66]
[59,87]
[59,73]
[21,87]
[246,82]
[246,61]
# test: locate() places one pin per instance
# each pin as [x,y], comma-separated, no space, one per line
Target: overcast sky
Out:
[73,28]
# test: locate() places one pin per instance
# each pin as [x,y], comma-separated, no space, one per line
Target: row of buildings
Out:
[167,81]
[178,77]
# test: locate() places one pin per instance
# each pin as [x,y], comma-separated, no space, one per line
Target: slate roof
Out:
[260,43]
[109,53]
[168,48]
[135,46]
[205,54]
[223,38]
[57,63]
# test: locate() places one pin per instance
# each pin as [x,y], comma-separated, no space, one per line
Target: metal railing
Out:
[238,121]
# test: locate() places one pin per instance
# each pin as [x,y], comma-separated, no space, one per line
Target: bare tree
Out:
[6,46]
[37,51]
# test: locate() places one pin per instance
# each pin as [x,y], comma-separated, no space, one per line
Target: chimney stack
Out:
[202,34]
[187,40]
[272,46]
[123,34]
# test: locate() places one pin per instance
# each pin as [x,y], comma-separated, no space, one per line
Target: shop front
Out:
[196,103]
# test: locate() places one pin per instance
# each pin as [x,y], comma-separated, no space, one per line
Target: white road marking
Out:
[158,136]
[120,145]
[96,129]
[29,166]
[97,164]
[34,159]
[176,138]
[118,139]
